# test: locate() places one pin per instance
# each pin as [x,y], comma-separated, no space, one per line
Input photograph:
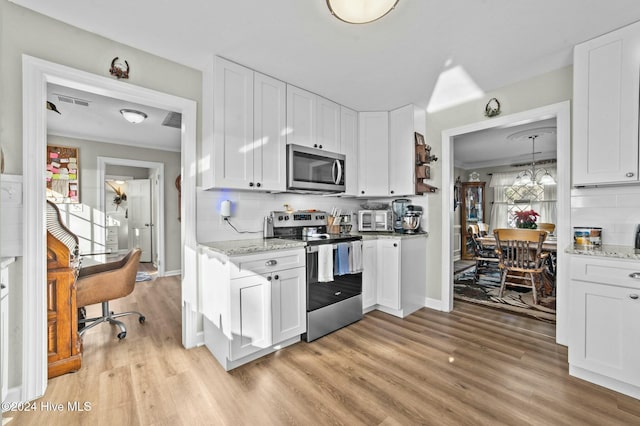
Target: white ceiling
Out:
[101,120]
[502,146]
[376,66]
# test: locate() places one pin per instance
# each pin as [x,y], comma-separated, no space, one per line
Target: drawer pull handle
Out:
[273,262]
[630,174]
[635,275]
[634,296]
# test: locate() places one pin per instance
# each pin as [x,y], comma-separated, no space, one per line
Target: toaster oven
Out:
[375,221]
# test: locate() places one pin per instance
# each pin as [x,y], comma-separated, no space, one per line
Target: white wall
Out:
[546,89]
[23,31]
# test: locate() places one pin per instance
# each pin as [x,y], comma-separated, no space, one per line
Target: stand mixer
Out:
[406,216]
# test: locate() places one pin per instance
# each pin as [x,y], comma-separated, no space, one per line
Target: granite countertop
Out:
[607,250]
[240,247]
[378,235]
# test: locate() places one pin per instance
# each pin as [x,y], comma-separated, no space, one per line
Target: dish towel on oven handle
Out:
[341,266]
[355,257]
[325,263]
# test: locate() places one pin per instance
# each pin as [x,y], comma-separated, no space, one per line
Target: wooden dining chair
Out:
[486,257]
[521,258]
[549,227]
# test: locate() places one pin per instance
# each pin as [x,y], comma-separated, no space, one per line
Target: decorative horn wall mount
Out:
[118,69]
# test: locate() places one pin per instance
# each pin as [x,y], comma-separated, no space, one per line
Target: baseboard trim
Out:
[13,395]
[433,304]
[173,273]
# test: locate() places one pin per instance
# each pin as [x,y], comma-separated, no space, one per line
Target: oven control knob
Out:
[286,218]
[280,217]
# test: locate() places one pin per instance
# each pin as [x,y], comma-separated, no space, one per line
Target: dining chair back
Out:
[521,258]
[549,227]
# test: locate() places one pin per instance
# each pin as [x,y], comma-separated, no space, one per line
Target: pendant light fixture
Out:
[133,116]
[360,11]
[530,176]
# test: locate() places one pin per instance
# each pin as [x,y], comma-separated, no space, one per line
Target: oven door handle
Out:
[314,249]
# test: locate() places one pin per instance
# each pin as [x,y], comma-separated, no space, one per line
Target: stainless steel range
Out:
[334,270]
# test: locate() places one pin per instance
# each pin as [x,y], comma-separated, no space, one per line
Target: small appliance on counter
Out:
[399,208]
[411,219]
[375,220]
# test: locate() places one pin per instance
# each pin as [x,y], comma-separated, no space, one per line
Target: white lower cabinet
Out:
[604,322]
[394,278]
[369,274]
[252,303]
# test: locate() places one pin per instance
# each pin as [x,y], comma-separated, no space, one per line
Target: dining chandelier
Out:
[360,11]
[532,176]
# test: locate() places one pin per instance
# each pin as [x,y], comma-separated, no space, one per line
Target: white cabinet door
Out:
[402,151]
[603,330]
[4,331]
[606,88]
[349,147]
[250,300]
[327,124]
[233,125]
[389,250]
[301,117]
[373,150]
[269,142]
[369,273]
[289,301]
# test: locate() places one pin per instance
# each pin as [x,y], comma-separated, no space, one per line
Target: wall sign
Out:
[62,175]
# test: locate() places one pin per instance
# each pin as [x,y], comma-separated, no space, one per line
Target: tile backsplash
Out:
[615,209]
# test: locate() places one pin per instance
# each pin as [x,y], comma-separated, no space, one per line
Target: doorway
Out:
[37,73]
[560,111]
[147,231]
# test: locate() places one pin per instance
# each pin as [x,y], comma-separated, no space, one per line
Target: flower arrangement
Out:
[527,219]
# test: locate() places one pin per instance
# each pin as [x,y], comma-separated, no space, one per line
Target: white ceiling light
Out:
[530,176]
[133,116]
[360,11]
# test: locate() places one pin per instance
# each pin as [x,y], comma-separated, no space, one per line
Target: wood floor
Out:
[473,366]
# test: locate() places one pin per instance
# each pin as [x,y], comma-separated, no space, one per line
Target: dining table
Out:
[550,243]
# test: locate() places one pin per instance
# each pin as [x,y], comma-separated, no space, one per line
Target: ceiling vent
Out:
[71,100]
[173,119]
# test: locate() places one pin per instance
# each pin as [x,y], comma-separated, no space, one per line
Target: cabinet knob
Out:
[277,277]
[271,262]
[635,275]
[2,286]
[392,192]
[315,145]
[630,174]
[250,183]
[269,278]
[362,192]
[320,146]
[634,296]
[258,185]
[395,244]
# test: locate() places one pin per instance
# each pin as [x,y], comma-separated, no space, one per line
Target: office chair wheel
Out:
[142,319]
[122,335]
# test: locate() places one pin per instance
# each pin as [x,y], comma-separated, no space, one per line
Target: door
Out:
[389,273]
[301,117]
[373,147]
[288,299]
[369,273]
[139,199]
[250,315]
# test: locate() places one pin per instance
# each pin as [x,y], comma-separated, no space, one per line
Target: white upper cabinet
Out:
[373,154]
[349,147]
[312,120]
[270,141]
[402,151]
[605,116]
[248,130]
[387,152]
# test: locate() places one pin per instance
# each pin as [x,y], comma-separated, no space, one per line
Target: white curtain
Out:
[546,208]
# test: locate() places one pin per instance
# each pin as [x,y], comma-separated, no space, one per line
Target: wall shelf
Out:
[423,168]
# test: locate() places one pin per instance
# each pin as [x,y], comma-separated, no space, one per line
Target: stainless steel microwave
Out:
[311,169]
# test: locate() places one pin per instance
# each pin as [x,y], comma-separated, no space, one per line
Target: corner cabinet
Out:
[248,129]
[349,147]
[386,165]
[606,93]
[472,212]
[312,120]
[604,322]
[253,304]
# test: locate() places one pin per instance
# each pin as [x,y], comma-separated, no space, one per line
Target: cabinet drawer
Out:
[267,262]
[606,271]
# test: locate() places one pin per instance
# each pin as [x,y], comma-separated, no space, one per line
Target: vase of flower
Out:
[527,219]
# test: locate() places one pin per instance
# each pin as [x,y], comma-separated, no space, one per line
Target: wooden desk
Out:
[550,244]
